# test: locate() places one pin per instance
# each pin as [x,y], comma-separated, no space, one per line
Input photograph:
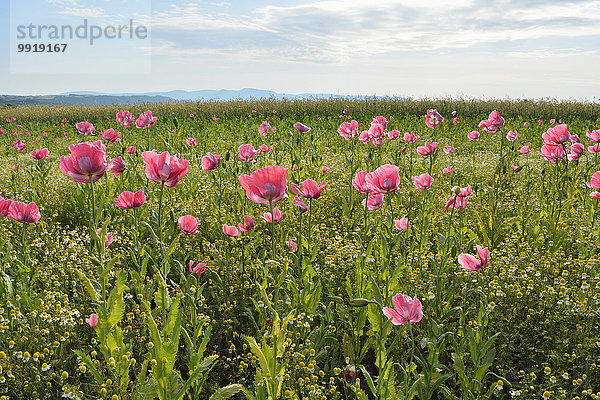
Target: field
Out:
[248,266]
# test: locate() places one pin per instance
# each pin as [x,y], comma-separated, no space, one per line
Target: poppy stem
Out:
[93,204]
[160,232]
[412,342]
[595,213]
[309,225]
[390,195]
[272,230]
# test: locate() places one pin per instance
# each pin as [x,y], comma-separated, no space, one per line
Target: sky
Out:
[442,48]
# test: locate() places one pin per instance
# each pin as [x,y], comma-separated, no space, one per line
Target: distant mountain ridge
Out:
[99,98]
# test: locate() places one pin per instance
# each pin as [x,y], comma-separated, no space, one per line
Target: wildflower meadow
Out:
[317,249]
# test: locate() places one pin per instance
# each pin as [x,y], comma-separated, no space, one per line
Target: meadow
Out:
[317,249]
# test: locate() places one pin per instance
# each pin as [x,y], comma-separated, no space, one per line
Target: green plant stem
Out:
[160,232]
[93,204]
[309,225]
[390,195]
[595,214]
[412,342]
[272,230]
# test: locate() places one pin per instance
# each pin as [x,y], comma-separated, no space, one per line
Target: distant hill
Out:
[98,98]
[80,99]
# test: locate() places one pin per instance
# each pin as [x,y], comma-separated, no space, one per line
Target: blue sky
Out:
[457,48]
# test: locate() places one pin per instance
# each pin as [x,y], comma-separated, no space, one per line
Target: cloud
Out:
[551,53]
[62,2]
[337,32]
[371,29]
[84,12]
[192,17]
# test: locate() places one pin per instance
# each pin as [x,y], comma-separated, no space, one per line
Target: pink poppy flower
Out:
[124,118]
[118,166]
[277,214]
[394,134]
[577,150]
[247,153]
[85,128]
[459,199]
[310,189]
[402,224]
[188,224]
[524,150]
[595,195]
[199,269]
[92,321]
[292,246]
[552,153]
[359,182]
[145,120]
[574,139]
[594,136]
[473,136]
[455,120]
[380,120]
[231,231]
[164,167]
[210,161]
[493,123]
[248,224]
[348,130]
[192,142]
[406,310]
[433,118]
[447,170]
[525,124]
[374,202]
[364,137]
[301,127]
[377,141]
[376,131]
[24,213]
[512,136]
[556,135]
[129,200]
[325,169]
[384,179]
[265,148]
[595,181]
[86,162]
[111,136]
[427,149]
[265,185]
[423,181]
[471,263]
[4,206]
[300,203]
[410,137]
[264,128]
[20,145]
[39,154]
[448,149]
[594,149]
[130,150]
